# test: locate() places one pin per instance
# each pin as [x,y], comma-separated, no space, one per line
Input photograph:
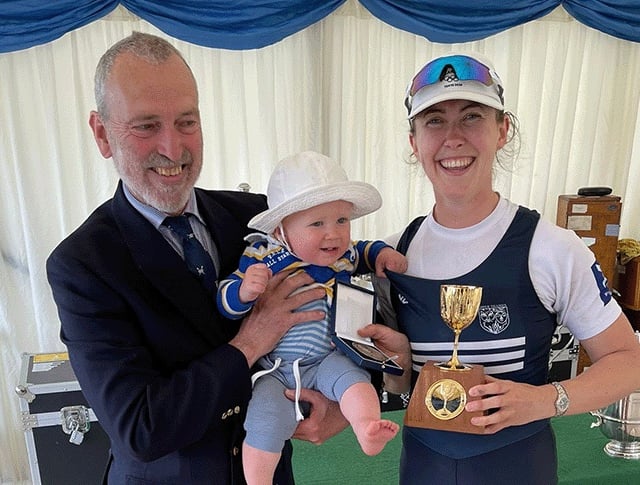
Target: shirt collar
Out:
[153,215]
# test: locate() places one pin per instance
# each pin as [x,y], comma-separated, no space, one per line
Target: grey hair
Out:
[148,47]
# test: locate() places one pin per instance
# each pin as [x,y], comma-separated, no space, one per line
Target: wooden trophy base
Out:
[439,396]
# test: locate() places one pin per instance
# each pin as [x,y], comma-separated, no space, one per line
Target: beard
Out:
[168,198]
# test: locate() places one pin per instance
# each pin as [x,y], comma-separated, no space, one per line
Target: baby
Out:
[307,228]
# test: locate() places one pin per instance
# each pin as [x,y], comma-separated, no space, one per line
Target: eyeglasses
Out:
[465,69]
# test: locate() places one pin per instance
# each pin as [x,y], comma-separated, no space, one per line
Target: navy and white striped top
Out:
[309,340]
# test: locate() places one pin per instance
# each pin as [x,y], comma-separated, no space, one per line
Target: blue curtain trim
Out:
[27,23]
[235,25]
[619,18]
[451,21]
[247,24]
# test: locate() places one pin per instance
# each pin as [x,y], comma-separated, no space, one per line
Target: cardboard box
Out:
[596,219]
[65,443]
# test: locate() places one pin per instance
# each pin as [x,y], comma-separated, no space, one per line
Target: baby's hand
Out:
[392,260]
[255,282]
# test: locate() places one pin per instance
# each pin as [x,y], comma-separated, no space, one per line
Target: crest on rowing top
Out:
[494,318]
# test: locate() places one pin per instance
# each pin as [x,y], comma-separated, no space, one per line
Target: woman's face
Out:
[456,142]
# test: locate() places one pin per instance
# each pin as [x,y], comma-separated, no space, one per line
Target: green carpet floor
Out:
[582,460]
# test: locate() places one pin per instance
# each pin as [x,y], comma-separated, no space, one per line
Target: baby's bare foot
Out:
[376,435]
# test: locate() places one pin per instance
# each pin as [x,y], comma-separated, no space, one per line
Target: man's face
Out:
[152,130]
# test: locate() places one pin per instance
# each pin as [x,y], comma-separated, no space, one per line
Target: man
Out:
[167,376]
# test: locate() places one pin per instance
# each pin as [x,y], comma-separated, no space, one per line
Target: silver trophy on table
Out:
[620,422]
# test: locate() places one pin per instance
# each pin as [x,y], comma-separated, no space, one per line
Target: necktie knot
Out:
[180,225]
[198,260]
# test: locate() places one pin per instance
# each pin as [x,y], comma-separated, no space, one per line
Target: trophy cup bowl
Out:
[459,306]
[440,394]
[620,422]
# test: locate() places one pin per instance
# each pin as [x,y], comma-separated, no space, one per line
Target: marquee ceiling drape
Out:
[252,24]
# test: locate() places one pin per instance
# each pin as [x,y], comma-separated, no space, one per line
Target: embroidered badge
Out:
[494,318]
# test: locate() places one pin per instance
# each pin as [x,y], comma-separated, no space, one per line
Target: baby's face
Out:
[321,234]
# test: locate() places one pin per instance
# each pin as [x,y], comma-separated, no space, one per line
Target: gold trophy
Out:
[440,393]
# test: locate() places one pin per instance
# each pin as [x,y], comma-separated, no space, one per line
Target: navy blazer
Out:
[149,347]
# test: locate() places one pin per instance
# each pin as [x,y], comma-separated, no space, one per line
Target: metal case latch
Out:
[24,393]
[75,422]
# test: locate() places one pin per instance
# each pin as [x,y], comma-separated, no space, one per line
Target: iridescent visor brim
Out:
[466,69]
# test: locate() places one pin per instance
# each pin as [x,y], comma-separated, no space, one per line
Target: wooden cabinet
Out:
[596,219]
[628,284]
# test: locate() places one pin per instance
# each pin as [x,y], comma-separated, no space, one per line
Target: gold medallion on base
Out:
[439,398]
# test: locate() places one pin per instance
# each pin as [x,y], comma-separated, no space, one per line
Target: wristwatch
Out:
[562,401]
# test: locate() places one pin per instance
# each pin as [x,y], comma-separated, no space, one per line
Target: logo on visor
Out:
[449,76]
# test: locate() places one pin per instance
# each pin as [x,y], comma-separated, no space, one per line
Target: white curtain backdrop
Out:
[336,87]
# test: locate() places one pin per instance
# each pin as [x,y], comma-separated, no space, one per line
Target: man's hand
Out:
[273,314]
[325,419]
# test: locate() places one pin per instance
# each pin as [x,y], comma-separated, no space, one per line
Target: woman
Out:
[534,276]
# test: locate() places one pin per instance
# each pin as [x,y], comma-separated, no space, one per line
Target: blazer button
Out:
[235,451]
[237,410]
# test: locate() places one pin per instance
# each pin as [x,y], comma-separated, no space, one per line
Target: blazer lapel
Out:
[166,271]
